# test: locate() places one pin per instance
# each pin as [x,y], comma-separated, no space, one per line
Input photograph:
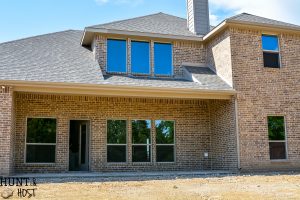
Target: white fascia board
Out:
[117,90]
[143,34]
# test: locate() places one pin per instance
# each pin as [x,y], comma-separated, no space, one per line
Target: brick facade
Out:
[235,54]
[266,92]
[183,52]
[7,125]
[194,132]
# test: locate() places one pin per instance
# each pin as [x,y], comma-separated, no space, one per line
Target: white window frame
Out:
[147,145]
[270,51]
[174,142]
[40,144]
[108,144]
[278,141]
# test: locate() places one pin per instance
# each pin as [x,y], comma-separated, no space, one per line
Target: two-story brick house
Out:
[156,92]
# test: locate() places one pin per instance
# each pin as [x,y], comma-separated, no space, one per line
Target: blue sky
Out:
[24,18]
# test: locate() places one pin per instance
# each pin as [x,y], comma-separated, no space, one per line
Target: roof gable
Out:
[249,18]
[159,23]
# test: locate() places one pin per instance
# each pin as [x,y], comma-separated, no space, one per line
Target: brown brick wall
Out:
[6,130]
[183,51]
[219,56]
[223,135]
[192,121]
[263,92]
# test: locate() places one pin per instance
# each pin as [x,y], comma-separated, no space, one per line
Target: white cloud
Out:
[214,19]
[283,10]
[120,2]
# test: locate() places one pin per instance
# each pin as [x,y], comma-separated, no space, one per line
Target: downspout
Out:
[237,132]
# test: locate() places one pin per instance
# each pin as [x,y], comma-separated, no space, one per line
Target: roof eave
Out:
[228,22]
[86,41]
[117,90]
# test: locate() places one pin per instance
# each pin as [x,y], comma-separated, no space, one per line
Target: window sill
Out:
[280,161]
[142,163]
[165,163]
[117,163]
[40,164]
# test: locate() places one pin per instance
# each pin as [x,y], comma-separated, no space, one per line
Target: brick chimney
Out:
[198,16]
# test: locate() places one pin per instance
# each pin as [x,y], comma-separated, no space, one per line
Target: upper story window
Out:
[271,53]
[163,64]
[140,57]
[116,56]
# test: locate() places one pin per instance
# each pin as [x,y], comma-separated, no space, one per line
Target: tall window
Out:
[165,142]
[116,140]
[163,59]
[116,56]
[141,141]
[277,138]
[271,51]
[140,57]
[40,140]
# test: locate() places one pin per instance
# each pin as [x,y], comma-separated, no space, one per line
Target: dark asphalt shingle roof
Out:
[207,78]
[245,17]
[159,23]
[203,82]
[55,57]
[59,57]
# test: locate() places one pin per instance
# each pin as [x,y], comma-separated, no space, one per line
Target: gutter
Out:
[117,90]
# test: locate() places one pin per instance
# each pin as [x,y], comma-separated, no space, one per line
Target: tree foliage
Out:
[276,128]
[116,131]
[141,131]
[41,130]
[164,132]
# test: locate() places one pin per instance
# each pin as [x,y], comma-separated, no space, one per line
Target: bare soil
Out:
[211,188]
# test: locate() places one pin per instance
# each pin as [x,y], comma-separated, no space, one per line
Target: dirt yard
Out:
[212,188]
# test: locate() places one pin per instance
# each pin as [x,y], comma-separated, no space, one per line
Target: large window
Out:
[277,137]
[165,141]
[271,51]
[163,59]
[141,141]
[116,140]
[116,56]
[40,140]
[140,57]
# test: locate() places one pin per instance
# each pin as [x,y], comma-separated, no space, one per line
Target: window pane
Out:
[164,132]
[141,153]
[116,153]
[116,56]
[271,60]
[276,128]
[140,57]
[41,130]
[163,59]
[277,150]
[40,154]
[116,132]
[165,153]
[141,131]
[270,43]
